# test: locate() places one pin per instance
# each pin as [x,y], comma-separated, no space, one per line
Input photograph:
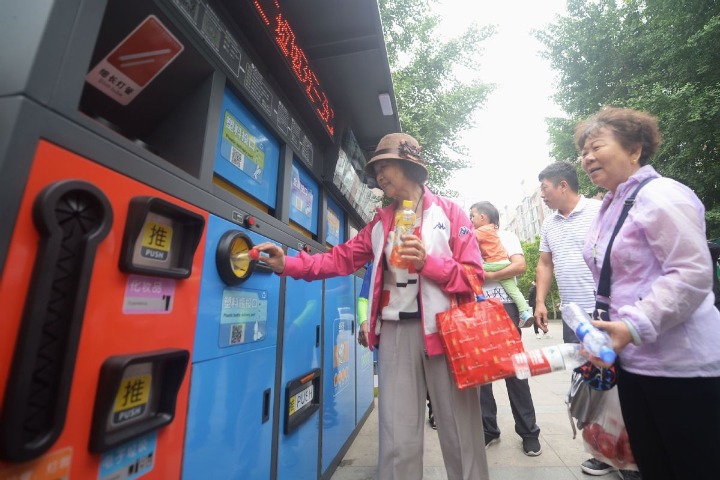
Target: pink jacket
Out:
[449,242]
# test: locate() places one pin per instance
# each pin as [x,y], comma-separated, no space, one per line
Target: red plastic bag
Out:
[479,339]
[605,437]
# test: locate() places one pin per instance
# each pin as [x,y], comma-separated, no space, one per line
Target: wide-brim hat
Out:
[398,146]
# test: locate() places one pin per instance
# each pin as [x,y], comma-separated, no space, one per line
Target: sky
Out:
[509,143]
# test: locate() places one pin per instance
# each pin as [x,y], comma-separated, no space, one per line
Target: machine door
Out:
[230,414]
[298,446]
[229,429]
[338,367]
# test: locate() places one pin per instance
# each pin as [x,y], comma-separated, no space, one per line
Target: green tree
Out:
[654,55]
[531,250]
[434,105]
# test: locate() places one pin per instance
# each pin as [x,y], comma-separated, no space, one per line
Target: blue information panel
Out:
[244,316]
[334,223]
[304,195]
[247,154]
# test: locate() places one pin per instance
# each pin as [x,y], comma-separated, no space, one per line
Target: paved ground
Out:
[561,457]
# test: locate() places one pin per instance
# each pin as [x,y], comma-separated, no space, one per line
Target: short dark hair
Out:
[631,128]
[488,209]
[559,171]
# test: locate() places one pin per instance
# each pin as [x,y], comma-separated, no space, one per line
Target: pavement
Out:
[561,455]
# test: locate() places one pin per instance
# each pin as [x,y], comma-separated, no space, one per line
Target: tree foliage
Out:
[660,56]
[433,104]
[531,250]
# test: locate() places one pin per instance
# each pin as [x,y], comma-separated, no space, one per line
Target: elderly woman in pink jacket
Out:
[663,324]
[403,302]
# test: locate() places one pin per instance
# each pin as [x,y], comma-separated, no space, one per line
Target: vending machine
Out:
[100,284]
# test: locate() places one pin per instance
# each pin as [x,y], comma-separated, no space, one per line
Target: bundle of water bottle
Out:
[566,356]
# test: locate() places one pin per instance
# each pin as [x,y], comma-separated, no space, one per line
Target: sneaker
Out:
[539,336]
[526,318]
[531,446]
[593,466]
[630,475]
[431,420]
[490,440]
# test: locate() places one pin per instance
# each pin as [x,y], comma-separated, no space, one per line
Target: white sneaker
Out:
[539,336]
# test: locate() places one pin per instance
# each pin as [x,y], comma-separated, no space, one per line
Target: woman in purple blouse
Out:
[663,322]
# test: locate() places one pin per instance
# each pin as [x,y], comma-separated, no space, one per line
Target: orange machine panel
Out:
[108,329]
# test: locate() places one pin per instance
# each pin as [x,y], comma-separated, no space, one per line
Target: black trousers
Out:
[521,402]
[673,424]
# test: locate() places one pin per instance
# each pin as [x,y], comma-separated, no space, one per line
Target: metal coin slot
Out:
[235,257]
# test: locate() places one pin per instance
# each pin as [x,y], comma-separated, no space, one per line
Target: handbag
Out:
[605,378]
[479,338]
[583,402]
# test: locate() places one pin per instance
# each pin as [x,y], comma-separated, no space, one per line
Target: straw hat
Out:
[398,146]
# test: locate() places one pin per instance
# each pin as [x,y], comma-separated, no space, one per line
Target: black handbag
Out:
[605,378]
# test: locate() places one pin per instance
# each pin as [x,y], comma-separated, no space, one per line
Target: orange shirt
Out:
[489,243]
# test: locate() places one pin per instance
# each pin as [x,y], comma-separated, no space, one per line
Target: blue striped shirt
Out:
[564,239]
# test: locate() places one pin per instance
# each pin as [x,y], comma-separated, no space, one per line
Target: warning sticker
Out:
[136,61]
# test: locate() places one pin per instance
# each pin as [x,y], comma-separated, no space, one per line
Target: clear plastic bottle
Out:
[595,341]
[404,224]
[564,356]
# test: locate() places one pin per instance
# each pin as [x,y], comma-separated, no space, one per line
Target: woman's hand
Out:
[363,334]
[413,250]
[619,335]
[275,258]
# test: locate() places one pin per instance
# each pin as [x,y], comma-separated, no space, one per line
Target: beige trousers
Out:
[405,373]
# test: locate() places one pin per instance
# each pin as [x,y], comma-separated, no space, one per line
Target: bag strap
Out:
[606,270]
[474,283]
[474,280]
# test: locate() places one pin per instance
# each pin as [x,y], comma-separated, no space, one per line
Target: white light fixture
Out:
[385,104]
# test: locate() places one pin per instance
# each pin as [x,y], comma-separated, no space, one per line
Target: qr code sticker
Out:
[237,333]
[237,158]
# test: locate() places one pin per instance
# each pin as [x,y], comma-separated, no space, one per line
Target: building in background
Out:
[526,218]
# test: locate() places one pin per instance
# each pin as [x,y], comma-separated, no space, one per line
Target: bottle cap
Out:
[407,204]
[607,355]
